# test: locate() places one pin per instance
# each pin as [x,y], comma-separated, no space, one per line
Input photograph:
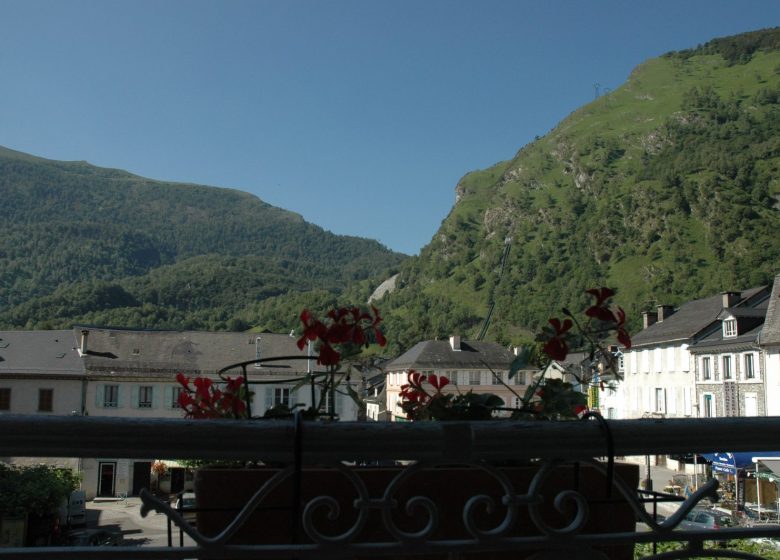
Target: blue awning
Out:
[729,463]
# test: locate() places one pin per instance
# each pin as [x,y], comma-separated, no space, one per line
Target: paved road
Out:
[125,516]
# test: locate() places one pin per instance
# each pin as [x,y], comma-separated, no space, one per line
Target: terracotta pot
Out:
[221,493]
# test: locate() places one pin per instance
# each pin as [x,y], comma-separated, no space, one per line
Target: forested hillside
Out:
[81,243]
[666,188]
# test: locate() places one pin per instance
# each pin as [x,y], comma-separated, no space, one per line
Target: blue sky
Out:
[360,115]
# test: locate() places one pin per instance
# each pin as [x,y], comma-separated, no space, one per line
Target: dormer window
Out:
[730,327]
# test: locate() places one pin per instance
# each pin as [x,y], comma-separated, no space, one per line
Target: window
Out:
[705,368]
[730,327]
[275,396]
[621,361]
[475,378]
[45,400]
[110,396]
[520,378]
[175,392]
[145,396]
[339,406]
[709,406]
[751,404]
[282,396]
[687,406]
[496,377]
[453,375]
[660,400]
[726,367]
[5,398]
[749,372]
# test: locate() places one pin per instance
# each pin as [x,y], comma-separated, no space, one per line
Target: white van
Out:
[73,511]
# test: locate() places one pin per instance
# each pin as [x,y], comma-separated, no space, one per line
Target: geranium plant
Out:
[424,398]
[341,334]
[203,398]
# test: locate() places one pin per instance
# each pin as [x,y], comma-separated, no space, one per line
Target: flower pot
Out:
[363,516]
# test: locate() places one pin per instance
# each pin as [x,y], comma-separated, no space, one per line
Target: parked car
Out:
[186,505]
[698,519]
[93,537]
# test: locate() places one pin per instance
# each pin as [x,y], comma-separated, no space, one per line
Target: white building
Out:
[130,373]
[469,366]
[659,369]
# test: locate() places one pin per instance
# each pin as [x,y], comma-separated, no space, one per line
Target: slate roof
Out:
[430,354]
[715,341]
[771,332]
[691,318]
[39,352]
[127,351]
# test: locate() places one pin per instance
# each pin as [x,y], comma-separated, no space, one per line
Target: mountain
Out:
[81,243]
[666,188]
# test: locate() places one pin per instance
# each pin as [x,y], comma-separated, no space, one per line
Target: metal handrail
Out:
[497,440]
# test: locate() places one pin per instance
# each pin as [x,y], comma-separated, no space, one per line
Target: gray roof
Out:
[431,354]
[39,352]
[771,332]
[123,351]
[692,318]
[716,342]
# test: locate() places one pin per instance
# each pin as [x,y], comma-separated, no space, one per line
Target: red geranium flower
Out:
[556,347]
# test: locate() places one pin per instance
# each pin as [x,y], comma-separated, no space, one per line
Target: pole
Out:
[648,480]
[758,493]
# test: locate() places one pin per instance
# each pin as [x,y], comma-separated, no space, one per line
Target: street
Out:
[125,516]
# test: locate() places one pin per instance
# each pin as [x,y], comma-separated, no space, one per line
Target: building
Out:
[132,373]
[469,365]
[729,376]
[769,342]
[660,368]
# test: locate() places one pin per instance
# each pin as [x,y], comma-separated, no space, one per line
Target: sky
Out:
[360,115]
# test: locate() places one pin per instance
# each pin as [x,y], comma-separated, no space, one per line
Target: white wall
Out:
[772,372]
[665,367]
[24,395]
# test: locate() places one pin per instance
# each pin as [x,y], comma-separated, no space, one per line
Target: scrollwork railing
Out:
[402,520]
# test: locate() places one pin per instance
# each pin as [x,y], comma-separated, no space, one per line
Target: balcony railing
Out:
[295,445]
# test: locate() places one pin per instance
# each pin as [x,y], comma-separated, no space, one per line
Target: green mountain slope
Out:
[86,244]
[666,188]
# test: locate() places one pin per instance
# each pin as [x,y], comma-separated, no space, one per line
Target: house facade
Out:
[729,374]
[469,366]
[663,369]
[131,373]
[769,343]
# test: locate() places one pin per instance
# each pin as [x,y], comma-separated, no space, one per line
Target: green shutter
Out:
[168,397]
[134,396]
[99,393]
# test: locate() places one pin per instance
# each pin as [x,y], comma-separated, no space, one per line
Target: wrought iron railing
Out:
[295,446]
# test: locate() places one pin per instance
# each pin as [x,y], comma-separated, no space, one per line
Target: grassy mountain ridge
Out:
[666,187]
[183,251]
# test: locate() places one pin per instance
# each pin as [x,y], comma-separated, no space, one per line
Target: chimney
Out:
[649,318]
[664,312]
[730,299]
[84,336]
[455,342]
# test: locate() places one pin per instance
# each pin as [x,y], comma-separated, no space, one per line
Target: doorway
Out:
[106,478]
[142,476]
[177,480]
